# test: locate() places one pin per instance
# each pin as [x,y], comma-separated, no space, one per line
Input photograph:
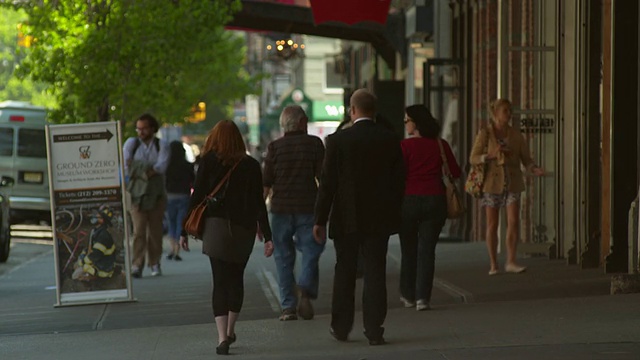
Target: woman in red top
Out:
[424,209]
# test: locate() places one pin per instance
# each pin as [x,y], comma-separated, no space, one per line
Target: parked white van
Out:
[23,157]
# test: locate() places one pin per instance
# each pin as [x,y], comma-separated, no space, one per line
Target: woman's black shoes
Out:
[170,257]
[223,348]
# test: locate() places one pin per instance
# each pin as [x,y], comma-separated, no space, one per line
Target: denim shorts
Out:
[499,200]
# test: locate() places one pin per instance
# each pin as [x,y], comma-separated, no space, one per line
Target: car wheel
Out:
[5,245]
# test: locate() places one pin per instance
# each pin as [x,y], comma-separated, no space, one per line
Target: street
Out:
[22,253]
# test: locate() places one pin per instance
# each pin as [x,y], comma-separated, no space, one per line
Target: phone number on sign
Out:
[87,195]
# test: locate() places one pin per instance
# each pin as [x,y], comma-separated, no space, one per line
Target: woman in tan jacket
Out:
[502,149]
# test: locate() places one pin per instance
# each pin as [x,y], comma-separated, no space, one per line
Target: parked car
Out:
[5,233]
[23,157]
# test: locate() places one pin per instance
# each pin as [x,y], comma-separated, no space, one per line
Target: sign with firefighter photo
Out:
[88,213]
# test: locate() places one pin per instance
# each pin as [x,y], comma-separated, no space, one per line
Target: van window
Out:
[6,141]
[32,143]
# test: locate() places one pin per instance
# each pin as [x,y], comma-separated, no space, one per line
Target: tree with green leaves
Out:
[11,87]
[115,59]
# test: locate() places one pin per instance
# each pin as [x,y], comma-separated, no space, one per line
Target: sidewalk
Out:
[553,311]
[466,266]
[603,327]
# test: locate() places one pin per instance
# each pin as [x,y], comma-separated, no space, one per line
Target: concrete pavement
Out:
[600,327]
[553,311]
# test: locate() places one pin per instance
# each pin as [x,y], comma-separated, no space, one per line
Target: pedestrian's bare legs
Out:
[231,326]
[222,323]
[513,228]
[491,238]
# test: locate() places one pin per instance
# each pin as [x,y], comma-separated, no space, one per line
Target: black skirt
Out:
[224,240]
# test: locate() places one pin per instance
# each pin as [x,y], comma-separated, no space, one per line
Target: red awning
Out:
[350,11]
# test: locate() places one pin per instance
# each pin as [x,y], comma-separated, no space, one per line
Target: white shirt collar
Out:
[361,119]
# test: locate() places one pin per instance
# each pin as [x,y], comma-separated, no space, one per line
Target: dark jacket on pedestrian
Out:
[362,183]
[243,201]
[180,175]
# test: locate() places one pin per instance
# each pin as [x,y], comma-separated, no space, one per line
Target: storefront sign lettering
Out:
[537,126]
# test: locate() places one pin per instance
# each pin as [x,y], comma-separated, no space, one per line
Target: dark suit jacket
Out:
[362,181]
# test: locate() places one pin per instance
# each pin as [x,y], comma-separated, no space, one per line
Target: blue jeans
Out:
[284,227]
[422,220]
[177,207]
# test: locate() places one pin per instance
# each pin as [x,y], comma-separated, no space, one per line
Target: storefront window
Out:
[531,81]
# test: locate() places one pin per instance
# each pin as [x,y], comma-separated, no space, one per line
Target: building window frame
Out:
[329,61]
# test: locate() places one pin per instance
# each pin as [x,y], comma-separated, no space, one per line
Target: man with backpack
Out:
[146,159]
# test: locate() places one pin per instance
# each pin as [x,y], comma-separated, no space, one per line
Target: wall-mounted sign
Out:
[297,95]
[253,118]
[537,125]
[327,110]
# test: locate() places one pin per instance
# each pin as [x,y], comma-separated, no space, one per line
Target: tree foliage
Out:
[11,87]
[115,59]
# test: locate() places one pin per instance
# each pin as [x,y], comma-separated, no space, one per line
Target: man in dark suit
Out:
[361,185]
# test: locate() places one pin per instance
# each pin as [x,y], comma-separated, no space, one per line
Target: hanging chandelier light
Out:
[286,49]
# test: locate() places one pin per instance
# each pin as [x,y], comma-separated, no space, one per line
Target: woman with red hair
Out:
[241,209]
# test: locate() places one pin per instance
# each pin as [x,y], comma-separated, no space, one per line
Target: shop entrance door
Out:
[443,96]
[527,71]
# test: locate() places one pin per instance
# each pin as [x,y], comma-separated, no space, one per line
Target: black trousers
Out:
[374,295]
[228,286]
[422,220]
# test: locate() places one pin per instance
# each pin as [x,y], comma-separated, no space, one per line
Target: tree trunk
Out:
[103,111]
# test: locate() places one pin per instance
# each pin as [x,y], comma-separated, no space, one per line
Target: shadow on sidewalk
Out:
[466,265]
